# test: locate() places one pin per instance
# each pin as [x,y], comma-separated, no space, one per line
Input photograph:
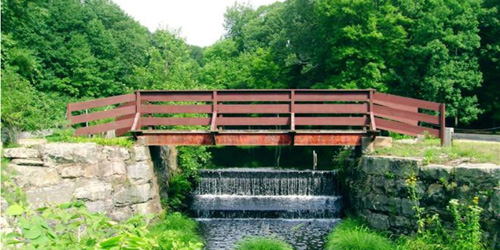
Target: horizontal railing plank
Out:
[176,96]
[253,108]
[100,102]
[331,121]
[331,108]
[104,127]
[314,96]
[253,96]
[404,128]
[253,121]
[173,121]
[390,100]
[404,116]
[176,109]
[121,111]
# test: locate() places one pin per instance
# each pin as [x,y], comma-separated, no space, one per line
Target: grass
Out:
[431,151]
[350,234]
[262,243]
[67,136]
[176,231]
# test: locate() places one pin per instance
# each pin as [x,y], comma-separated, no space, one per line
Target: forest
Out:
[60,51]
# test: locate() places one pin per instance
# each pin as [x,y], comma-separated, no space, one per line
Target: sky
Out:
[200,21]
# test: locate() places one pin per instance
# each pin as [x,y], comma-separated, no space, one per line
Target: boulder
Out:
[140,172]
[21,153]
[141,153]
[379,221]
[133,195]
[60,153]
[28,176]
[113,168]
[40,197]
[93,190]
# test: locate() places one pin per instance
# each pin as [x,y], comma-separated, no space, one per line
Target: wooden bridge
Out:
[257,117]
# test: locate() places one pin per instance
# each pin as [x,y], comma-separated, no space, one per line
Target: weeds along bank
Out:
[402,195]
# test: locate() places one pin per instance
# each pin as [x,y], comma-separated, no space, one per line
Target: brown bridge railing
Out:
[257,117]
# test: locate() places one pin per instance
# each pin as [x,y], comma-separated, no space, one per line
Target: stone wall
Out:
[109,179]
[377,191]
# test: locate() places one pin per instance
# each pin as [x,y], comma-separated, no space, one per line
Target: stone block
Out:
[101,206]
[369,144]
[375,165]
[31,142]
[141,153]
[113,168]
[121,213]
[93,190]
[78,170]
[494,205]
[114,153]
[140,172]
[29,176]
[40,197]
[399,221]
[407,207]
[435,172]
[404,167]
[60,153]
[27,162]
[150,207]
[379,221]
[478,173]
[435,192]
[133,195]
[21,153]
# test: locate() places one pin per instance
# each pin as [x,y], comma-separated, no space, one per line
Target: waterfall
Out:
[300,207]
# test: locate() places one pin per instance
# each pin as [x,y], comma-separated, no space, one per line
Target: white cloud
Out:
[200,21]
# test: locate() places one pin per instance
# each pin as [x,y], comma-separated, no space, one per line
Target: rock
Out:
[133,195]
[27,162]
[140,172]
[114,168]
[435,172]
[27,176]
[78,170]
[115,153]
[407,207]
[31,142]
[93,190]
[21,153]
[404,167]
[150,207]
[121,213]
[3,204]
[494,205]
[399,221]
[101,206]
[60,153]
[379,221]
[40,197]
[141,153]
[435,192]
[375,165]
[478,173]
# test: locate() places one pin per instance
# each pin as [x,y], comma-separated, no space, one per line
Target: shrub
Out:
[262,243]
[350,234]
[176,231]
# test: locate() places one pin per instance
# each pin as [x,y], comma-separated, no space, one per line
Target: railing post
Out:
[213,123]
[292,110]
[373,126]
[442,123]
[137,123]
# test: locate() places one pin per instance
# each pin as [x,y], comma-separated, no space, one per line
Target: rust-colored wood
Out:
[253,139]
[331,108]
[390,100]
[404,116]
[213,122]
[120,111]
[101,102]
[292,110]
[122,131]
[104,127]
[253,108]
[254,96]
[331,121]
[442,123]
[173,121]
[176,109]
[330,96]
[255,121]
[327,139]
[177,96]
[178,139]
[404,128]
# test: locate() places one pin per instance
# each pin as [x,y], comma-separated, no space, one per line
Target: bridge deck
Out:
[257,117]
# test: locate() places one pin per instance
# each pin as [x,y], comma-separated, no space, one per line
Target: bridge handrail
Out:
[365,109]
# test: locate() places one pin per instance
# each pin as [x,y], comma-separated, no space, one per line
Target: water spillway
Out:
[300,207]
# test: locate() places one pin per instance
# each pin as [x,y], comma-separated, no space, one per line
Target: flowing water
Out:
[300,207]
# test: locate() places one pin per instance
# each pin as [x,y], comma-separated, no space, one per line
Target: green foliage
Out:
[179,189]
[10,192]
[176,231]
[262,243]
[350,234]
[67,135]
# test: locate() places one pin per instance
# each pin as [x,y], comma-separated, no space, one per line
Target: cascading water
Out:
[300,207]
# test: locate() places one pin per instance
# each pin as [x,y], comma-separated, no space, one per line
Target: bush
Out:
[350,234]
[176,231]
[261,243]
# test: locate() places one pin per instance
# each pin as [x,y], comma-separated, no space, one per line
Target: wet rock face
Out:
[379,194]
[113,180]
[299,207]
